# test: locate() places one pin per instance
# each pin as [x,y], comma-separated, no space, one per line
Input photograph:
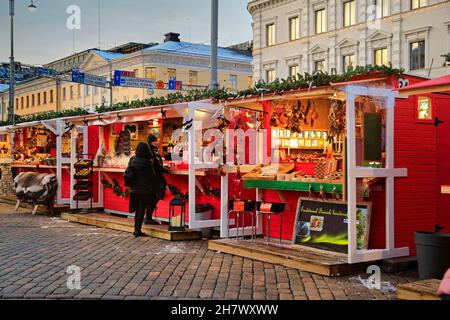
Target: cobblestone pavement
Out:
[36,250]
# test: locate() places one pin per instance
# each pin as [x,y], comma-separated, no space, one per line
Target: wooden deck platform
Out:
[316,261]
[12,200]
[420,290]
[127,225]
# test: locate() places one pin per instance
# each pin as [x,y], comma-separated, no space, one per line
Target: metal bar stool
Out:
[241,210]
[270,209]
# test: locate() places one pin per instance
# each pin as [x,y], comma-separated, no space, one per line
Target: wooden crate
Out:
[297,257]
[127,225]
[420,290]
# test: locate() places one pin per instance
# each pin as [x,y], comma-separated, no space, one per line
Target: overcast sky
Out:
[42,36]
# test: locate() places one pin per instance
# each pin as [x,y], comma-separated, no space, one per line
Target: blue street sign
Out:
[172,83]
[128,79]
[78,77]
[88,79]
[41,71]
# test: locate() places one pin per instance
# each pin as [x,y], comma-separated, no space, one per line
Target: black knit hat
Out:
[152,138]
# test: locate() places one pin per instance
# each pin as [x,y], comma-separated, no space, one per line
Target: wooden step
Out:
[301,258]
[420,290]
[102,220]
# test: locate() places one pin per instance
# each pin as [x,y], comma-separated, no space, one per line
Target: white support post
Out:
[389,138]
[192,145]
[59,160]
[351,181]
[73,159]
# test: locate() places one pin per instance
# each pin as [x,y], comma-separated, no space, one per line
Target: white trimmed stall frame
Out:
[194,165]
[73,159]
[355,172]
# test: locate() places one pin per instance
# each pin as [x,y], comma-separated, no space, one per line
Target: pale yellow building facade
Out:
[188,62]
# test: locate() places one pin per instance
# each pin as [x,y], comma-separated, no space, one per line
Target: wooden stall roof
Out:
[441,84]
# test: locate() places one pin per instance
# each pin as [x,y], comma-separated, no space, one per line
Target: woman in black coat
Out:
[141,173]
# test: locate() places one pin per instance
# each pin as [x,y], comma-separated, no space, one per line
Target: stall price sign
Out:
[324,225]
[127,79]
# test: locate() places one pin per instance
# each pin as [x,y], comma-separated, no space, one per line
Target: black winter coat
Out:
[144,176]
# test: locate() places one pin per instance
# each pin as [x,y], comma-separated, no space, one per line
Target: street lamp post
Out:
[12,66]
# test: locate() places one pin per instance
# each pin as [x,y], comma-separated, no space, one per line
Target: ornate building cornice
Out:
[266,4]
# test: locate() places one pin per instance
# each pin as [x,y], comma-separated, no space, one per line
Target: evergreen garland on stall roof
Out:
[306,80]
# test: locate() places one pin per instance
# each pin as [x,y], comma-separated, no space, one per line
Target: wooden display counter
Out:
[293,185]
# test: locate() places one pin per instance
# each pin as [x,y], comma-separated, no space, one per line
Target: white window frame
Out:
[274,35]
[298,31]
[324,24]
[353,16]
[410,57]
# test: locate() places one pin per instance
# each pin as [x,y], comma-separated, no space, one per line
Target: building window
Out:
[64,94]
[39,99]
[150,73]
[17,103]
[321,21]
[171,73]
[87,90]
[417,55]
[294,71]
[21,102]
[32,100]
[349,13]
[28,101]
[294,28]
[233,82]
[416,4]
[270,76]
[45,97]
[382,8]
[319,66]
[51,96]
[270,34]
[381,57]
[249,82]
[136,73]
[193,78]
[424,111]
[78,90]
[71,92]
[348,62]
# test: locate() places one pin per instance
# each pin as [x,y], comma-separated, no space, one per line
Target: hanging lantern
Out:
[177,213]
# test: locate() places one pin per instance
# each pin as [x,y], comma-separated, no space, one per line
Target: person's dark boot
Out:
[149,221]
[137,234]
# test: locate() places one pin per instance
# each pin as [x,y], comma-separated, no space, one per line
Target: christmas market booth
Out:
[346,172]
[35,162]
[197,190]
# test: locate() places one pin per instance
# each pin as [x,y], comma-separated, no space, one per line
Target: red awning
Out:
[440,84]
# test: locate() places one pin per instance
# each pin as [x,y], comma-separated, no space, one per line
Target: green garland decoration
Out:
[279,85]
[117,188]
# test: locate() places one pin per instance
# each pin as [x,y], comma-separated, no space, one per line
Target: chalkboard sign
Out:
[372,137]
[323,225]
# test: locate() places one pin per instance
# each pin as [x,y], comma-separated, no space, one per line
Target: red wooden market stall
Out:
[349,169]
[389,167]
